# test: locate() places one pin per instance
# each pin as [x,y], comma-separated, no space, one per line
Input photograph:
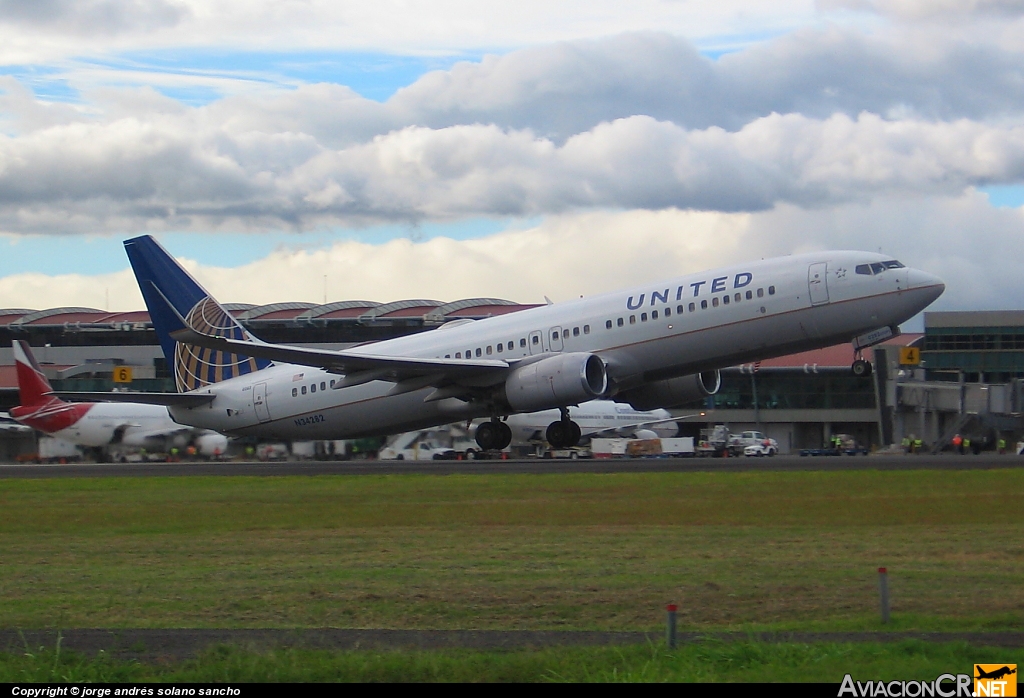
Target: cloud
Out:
[93,17]
[182,173]
[573,254]
[909,10]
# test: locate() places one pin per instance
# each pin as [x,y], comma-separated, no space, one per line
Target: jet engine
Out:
[557,381]
[672,392]
[212,445]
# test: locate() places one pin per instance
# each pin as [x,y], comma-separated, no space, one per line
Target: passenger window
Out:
[725,299]
[643,317]
[760,293]
[679,309]
[478,352]
[458,355]
[692,307]
[522,342]
[312,388]
[607,324]
[771,290]
[512,345]
[332,383]
[447,356]
[489,351]
[668,312]
[536,339]
[654,314]
[619,322]
[501,348]
[565,333]
[295,392]
[750,294]
[632,319]
[303,390]
[323,386]
[586,329]
[738,297]
[575,331]
[704,305]
[714,301]
[469,353]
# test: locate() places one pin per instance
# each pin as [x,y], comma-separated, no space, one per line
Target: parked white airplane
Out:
[97,424]
[655,346]
[596,418]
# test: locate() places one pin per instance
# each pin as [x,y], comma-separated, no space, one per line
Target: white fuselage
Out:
[105,423]
[594,417]
[656,331]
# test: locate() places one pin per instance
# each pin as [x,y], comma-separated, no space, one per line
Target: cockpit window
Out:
[877,267]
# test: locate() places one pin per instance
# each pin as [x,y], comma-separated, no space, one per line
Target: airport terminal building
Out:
[964,373]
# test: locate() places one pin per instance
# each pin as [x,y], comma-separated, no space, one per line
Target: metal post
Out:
[883,593]
[670,622]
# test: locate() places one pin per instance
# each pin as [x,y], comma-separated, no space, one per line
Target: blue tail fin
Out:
[171,295]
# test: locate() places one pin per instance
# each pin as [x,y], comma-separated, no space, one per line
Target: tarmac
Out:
[535,466]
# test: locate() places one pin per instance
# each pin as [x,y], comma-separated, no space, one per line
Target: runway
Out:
[532,466]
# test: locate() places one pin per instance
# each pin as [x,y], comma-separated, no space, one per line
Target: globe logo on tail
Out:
[195,367]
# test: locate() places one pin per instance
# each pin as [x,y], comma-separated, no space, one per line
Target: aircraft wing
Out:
[357,367]
[165,399]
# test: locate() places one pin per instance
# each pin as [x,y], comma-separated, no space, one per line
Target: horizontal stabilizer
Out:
[166,399]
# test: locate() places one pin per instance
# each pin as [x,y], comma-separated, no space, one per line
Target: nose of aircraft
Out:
[922,279]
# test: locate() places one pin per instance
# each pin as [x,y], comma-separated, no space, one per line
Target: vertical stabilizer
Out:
[32,384]
[175,299]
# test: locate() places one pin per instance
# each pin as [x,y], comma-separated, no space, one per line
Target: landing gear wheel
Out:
[861,368]
[557,434]
[506,436]
[493,436]
[575,434]
[488,435]
[564,433]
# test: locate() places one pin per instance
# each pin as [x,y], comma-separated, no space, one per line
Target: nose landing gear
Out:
[861,368]
[564,433]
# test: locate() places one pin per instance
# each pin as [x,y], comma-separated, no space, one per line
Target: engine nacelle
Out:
[672,392]
[565,379]
[212,445]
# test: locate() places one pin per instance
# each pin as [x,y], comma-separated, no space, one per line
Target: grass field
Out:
[706,662]
[734,550]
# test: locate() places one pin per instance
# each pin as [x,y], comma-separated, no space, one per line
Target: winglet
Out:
[33,386]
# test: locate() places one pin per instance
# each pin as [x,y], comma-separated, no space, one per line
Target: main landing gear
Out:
[860,368]
[493,435]
[564,433]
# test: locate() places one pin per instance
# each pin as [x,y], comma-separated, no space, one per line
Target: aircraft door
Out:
[536,342]
[817,283]
[259,402]
[556,339]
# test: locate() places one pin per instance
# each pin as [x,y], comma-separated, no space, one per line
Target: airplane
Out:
[656,346]
[99,424]
[995,673]
[596,418]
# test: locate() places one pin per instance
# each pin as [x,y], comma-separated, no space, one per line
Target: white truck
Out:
[420,450]
[752,443]
[52,450]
